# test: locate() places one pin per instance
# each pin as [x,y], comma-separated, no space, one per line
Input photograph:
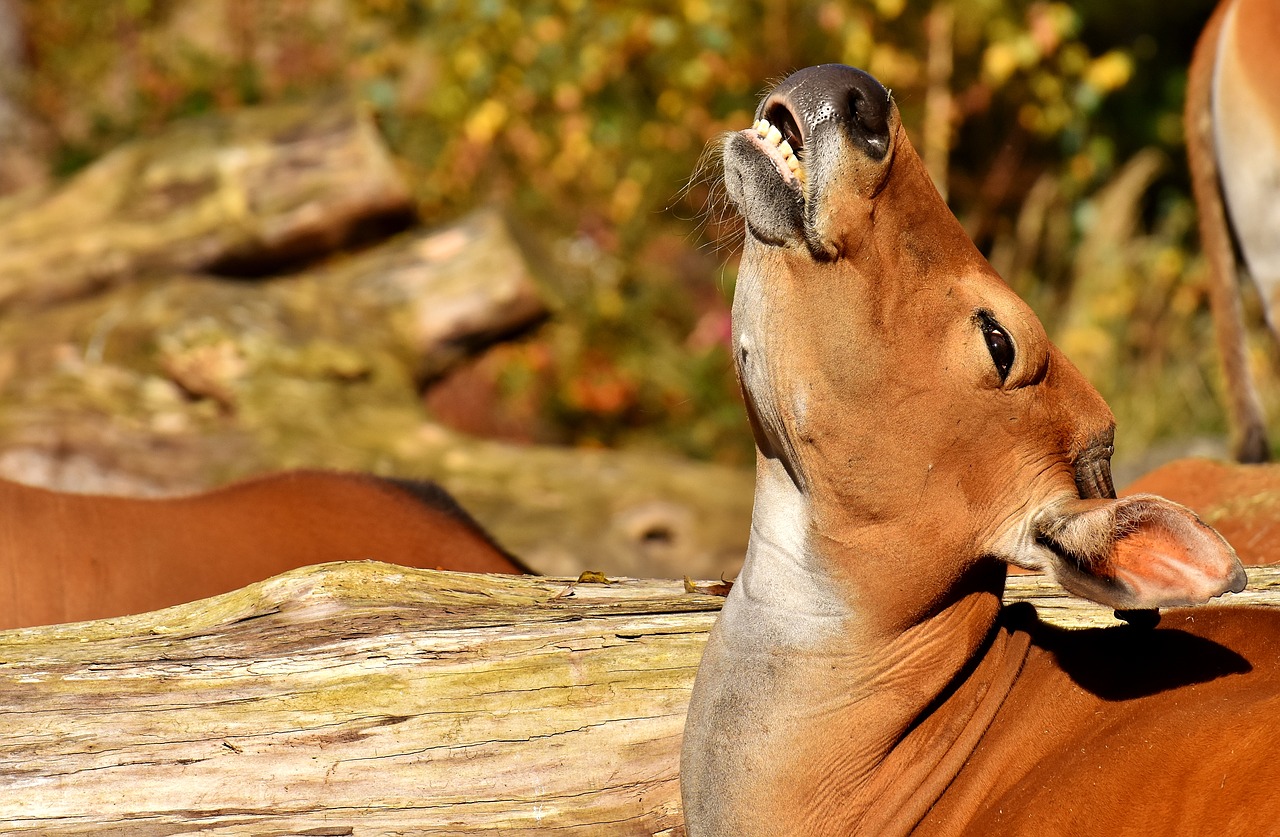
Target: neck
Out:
[808,717]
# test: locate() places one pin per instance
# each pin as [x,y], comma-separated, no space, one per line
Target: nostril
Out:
[870,115]
[781,117]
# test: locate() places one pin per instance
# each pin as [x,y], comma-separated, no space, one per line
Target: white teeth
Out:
[773,136]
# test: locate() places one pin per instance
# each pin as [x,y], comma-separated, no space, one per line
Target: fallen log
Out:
[418,303]
[176,383]
[623,512]
[369,699]
[240,192]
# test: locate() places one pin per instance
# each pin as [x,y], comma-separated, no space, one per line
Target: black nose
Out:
[820,98]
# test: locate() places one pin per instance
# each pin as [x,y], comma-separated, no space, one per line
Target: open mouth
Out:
[782,150]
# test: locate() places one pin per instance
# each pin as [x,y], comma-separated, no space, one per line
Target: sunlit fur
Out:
[1232,121]
[72,557]
[863,676]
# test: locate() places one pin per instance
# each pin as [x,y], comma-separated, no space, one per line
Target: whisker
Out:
[715,218]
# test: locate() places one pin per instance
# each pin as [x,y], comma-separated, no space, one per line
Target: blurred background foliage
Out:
[1053,128]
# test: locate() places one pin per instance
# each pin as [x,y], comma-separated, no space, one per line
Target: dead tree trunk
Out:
[368,699]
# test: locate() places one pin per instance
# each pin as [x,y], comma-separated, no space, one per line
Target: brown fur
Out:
[1241,501]
[863,676]
[71,557]
[1255,26]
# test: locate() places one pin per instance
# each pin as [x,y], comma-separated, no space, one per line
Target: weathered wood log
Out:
[418,303]
[369,699]
[258,187]
[155,385]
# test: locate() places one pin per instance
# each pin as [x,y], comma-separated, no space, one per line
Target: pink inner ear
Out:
[1169,558]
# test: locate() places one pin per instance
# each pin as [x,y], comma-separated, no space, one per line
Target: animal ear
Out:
[1138,552]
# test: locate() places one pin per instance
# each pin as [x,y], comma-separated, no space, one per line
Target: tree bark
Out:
[367,699]
[940,67]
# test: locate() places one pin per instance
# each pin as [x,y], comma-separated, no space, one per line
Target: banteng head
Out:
[919,417]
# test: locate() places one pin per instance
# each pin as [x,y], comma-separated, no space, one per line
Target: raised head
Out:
[912,399]
[916,431]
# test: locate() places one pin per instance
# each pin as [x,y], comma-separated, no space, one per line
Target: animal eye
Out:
[998,344]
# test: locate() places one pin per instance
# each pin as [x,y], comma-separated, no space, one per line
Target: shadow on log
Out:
[369,699]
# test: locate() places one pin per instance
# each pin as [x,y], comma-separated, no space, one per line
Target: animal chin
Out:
[771,205]
[768,139]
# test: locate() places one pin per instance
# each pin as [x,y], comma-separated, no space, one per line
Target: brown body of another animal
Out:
[1233,147]
[916,432]
[72,557]
[1241,501]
